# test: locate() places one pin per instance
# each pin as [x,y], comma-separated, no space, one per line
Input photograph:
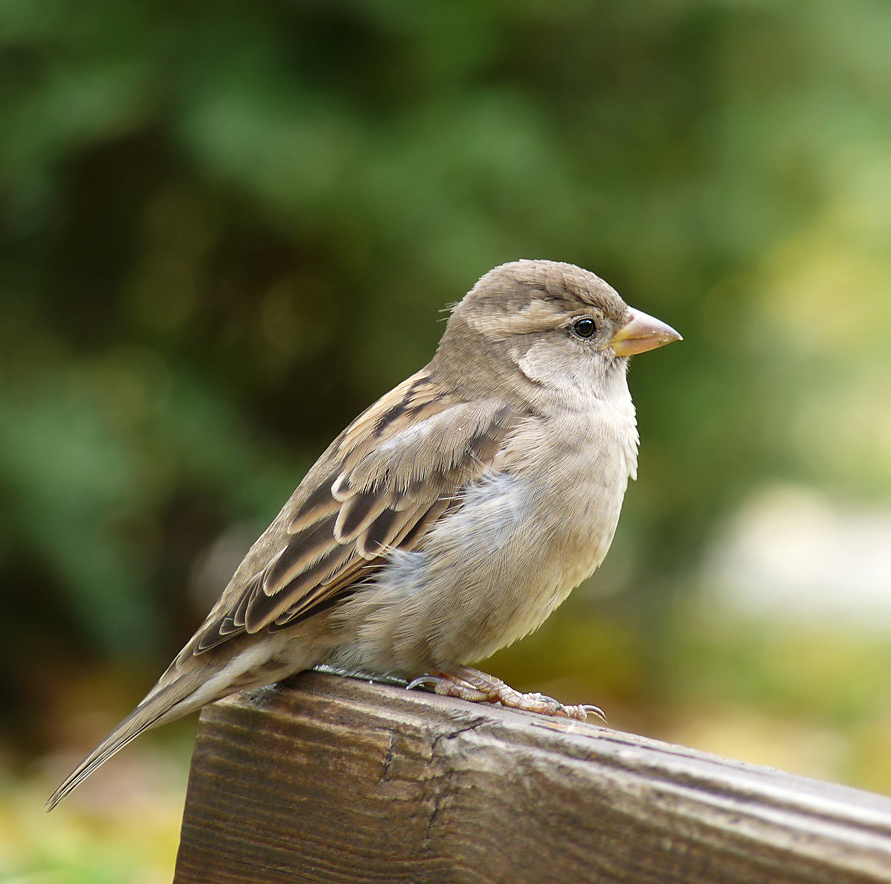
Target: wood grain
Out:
[328,779]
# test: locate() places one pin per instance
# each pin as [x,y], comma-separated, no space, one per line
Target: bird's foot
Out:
[477,687]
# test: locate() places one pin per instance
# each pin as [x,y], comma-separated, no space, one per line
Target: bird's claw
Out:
[474,686]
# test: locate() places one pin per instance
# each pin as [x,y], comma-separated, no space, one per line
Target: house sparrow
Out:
[448,520]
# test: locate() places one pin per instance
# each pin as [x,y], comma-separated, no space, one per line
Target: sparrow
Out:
[446,521]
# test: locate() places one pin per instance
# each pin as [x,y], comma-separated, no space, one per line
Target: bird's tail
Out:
[165,702]
[190,683]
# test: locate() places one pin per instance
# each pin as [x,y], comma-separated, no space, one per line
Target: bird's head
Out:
[548,324]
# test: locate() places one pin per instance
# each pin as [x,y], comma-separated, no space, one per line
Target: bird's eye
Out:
[584,328]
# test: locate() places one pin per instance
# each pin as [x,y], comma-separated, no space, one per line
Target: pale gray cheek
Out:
[557,368]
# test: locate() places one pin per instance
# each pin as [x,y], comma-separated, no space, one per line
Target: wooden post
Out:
[328,779]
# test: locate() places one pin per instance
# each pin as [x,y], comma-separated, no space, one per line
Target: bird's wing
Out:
[380,486]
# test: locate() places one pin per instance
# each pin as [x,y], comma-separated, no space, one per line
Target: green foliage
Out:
[228,227]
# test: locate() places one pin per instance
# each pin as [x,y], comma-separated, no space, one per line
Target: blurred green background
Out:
[228,227]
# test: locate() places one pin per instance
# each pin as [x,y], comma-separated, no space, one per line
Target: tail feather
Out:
[192,682]
[162,704]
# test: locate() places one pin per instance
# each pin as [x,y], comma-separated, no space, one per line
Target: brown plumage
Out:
[449,518]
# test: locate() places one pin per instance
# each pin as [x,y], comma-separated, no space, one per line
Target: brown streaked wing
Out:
[266,606]
[223,625]
[389,482]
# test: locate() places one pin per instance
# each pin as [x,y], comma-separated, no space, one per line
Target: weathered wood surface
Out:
[334,780]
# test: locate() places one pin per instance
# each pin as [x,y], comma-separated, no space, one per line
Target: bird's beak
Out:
[641,333]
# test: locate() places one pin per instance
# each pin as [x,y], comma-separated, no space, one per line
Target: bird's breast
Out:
[496,566]
[578,465]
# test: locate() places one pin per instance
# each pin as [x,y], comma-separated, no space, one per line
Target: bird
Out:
[448,520]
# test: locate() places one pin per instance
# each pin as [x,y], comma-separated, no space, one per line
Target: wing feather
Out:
[357,513]
[319,504]
[265,607]
[383,483]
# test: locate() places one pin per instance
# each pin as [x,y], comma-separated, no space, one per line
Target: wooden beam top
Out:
[337,780]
